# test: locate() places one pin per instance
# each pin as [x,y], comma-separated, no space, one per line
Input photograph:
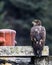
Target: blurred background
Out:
[19,14]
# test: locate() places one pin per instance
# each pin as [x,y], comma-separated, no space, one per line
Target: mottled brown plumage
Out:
[38,34]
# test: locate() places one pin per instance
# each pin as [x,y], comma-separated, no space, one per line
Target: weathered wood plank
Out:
[21,51]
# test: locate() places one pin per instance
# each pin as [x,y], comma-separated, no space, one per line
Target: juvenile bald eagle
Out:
[38,36]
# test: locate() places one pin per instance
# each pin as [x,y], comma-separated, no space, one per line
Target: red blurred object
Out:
[7,37]
[2,40]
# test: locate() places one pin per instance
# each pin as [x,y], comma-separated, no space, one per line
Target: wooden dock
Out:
[24,53]
[21,51]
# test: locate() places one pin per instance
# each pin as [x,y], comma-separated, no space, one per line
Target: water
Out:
[25,61]
[39,61]
[50,63]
